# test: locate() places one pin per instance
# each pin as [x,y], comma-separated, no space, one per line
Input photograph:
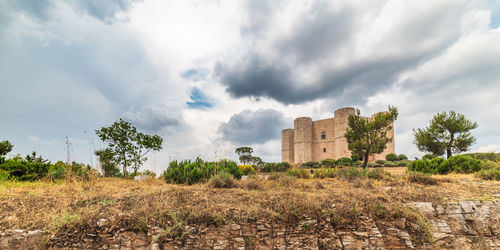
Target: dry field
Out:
[138,205]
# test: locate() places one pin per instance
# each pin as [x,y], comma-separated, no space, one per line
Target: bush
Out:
[276,167]
[391,157]
[376,174]
[390,164]
[489,174]
[423,165]
[57,171]
[465,164]
[404,163]
[310,164]
[420,178]
[351,173]
[428,157]
[381,162]
[328,163]
[324,173]
[299,173]
[4,175]
[402,157]
[355,157]
[222,180]
[344,161]
[198,171]
[247,169]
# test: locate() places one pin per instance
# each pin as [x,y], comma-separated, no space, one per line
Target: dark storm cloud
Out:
[321,37]
[251,127]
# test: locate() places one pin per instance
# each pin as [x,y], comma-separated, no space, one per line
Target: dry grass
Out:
[139,205]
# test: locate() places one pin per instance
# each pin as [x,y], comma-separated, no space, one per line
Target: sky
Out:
[209,76]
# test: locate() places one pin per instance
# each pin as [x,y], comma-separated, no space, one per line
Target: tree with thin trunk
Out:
[5,147]
[366,136]
[448,132]
[128,146]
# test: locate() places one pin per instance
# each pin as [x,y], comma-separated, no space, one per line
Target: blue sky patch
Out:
[198,100]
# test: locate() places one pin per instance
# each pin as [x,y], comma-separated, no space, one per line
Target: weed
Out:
[222,180]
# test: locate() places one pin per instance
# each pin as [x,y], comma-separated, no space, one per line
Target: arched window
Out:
[323,135]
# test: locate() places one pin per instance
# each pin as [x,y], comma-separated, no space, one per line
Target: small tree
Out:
[128,146]
[391,157]
[369,136]
[245,154]
[108,164]
[5,147]
[448,132]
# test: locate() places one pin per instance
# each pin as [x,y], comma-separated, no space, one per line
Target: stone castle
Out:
[318,140]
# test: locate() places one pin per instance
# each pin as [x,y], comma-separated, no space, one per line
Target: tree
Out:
[448,132]
[369,136]
[245,154]
[108,164]
[5,147]
[128,146]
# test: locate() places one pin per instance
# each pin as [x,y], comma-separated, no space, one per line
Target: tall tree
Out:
[448,132]
[5,147]
[366,137]
[128,146]
[245,154]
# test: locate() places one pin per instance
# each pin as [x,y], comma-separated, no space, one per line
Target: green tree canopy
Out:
[448,132]
[366,136]
[128,146]
[245,154]
[5,147]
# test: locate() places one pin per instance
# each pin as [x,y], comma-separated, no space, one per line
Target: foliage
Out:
[4,175]
[404,163]
[438,165]
[245,154]
[390,164]
[381,162]
[299,173]
[391,157]
[402,157]
[310,164]
[376,174]
[355,157]
[429,156]
[127,145]
[108,164]
[489,174]
[324,173]
[369,136]
[276,167]
[247,169]
[344,161]
[149,173]
[448,132]
[328,163]
[222,180]
[57,171]
[22,170]
[198,171]
[485,156]
[5,147]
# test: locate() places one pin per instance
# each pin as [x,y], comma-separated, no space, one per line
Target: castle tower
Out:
[303,134]
[287,144]
[341,124]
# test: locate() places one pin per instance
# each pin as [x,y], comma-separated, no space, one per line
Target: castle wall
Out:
[287,145]
[303,140]
[341,124]
[327,144]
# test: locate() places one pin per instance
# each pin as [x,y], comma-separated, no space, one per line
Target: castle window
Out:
[323,135]
[324,150]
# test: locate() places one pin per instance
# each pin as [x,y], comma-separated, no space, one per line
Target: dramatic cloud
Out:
[330,50]
[251,127]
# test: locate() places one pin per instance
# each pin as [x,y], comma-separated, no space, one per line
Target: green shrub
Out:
[404,163]
[402,157]
[355,157]
[198,171]
[351,173]
[310,164]
[428,156]
[390,164]
[381,162]
[328,163]
[222,180]
[487,164]
[485,156]
[423,165]
[58,170]
[324,173]
[376,174]
[391,157]
[489,174]
[344,161]
[276,167]
[4,175]
[299,173]
[464,164]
